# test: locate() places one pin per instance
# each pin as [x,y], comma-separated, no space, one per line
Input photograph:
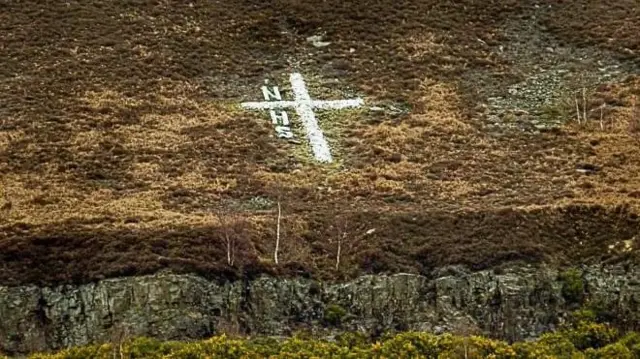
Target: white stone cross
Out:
[304,106]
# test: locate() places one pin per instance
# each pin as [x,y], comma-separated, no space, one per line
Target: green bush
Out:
[591,335]
[583,340]
[584,314]
[334,314]
[149,348]
[555,345]
[352,340]
[87,352]
[572,286]
[632,341]
[411,344]
[611,351]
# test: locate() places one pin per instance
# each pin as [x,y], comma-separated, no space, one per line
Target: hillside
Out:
[124,149]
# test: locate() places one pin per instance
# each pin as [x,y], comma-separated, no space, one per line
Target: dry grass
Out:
[129,148]
[612,25]
[615,144]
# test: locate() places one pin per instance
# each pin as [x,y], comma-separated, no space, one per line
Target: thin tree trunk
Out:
[577,109]
[275,253]
[233,251]
[338,254]
[584,105]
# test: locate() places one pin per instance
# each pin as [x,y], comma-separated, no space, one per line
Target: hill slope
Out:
[123,148]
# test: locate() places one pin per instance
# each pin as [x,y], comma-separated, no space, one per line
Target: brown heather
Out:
[121,142]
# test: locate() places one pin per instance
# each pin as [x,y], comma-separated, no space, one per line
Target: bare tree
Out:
[465,327]
[347,234]
[275,252]
[119,336]
[232,231]
[229,325]
[581,114]
[226,222]
[581,117]
[584,105]
[341,228]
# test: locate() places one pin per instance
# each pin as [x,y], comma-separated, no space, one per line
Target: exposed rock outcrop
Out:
[518,303]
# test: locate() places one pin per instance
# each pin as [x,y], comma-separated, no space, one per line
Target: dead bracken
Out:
[123,148]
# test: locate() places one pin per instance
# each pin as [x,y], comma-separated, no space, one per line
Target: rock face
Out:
[518,303]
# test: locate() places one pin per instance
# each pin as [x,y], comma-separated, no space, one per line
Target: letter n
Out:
[270,95]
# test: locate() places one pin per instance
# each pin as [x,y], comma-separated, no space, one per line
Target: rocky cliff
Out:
[514,303]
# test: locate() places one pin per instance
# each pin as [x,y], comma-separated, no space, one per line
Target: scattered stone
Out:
[587,168]
[316,40]
[395,110]
[549,71]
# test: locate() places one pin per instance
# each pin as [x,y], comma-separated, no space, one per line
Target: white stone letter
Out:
[269,95]
[284,132]
[280,118]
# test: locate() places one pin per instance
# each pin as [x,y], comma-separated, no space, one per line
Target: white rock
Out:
[316,41]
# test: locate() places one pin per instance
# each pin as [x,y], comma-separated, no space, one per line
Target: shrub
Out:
[584,315]
[489,348]
[406,345]
[591,335]
[298,348]
[149,348]
[584,340]
[553,345]
[572,286]
[611,351]
[334,314]
[352,340]
[87,352]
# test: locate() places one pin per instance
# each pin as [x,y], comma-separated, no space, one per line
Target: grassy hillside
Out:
[123,148]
